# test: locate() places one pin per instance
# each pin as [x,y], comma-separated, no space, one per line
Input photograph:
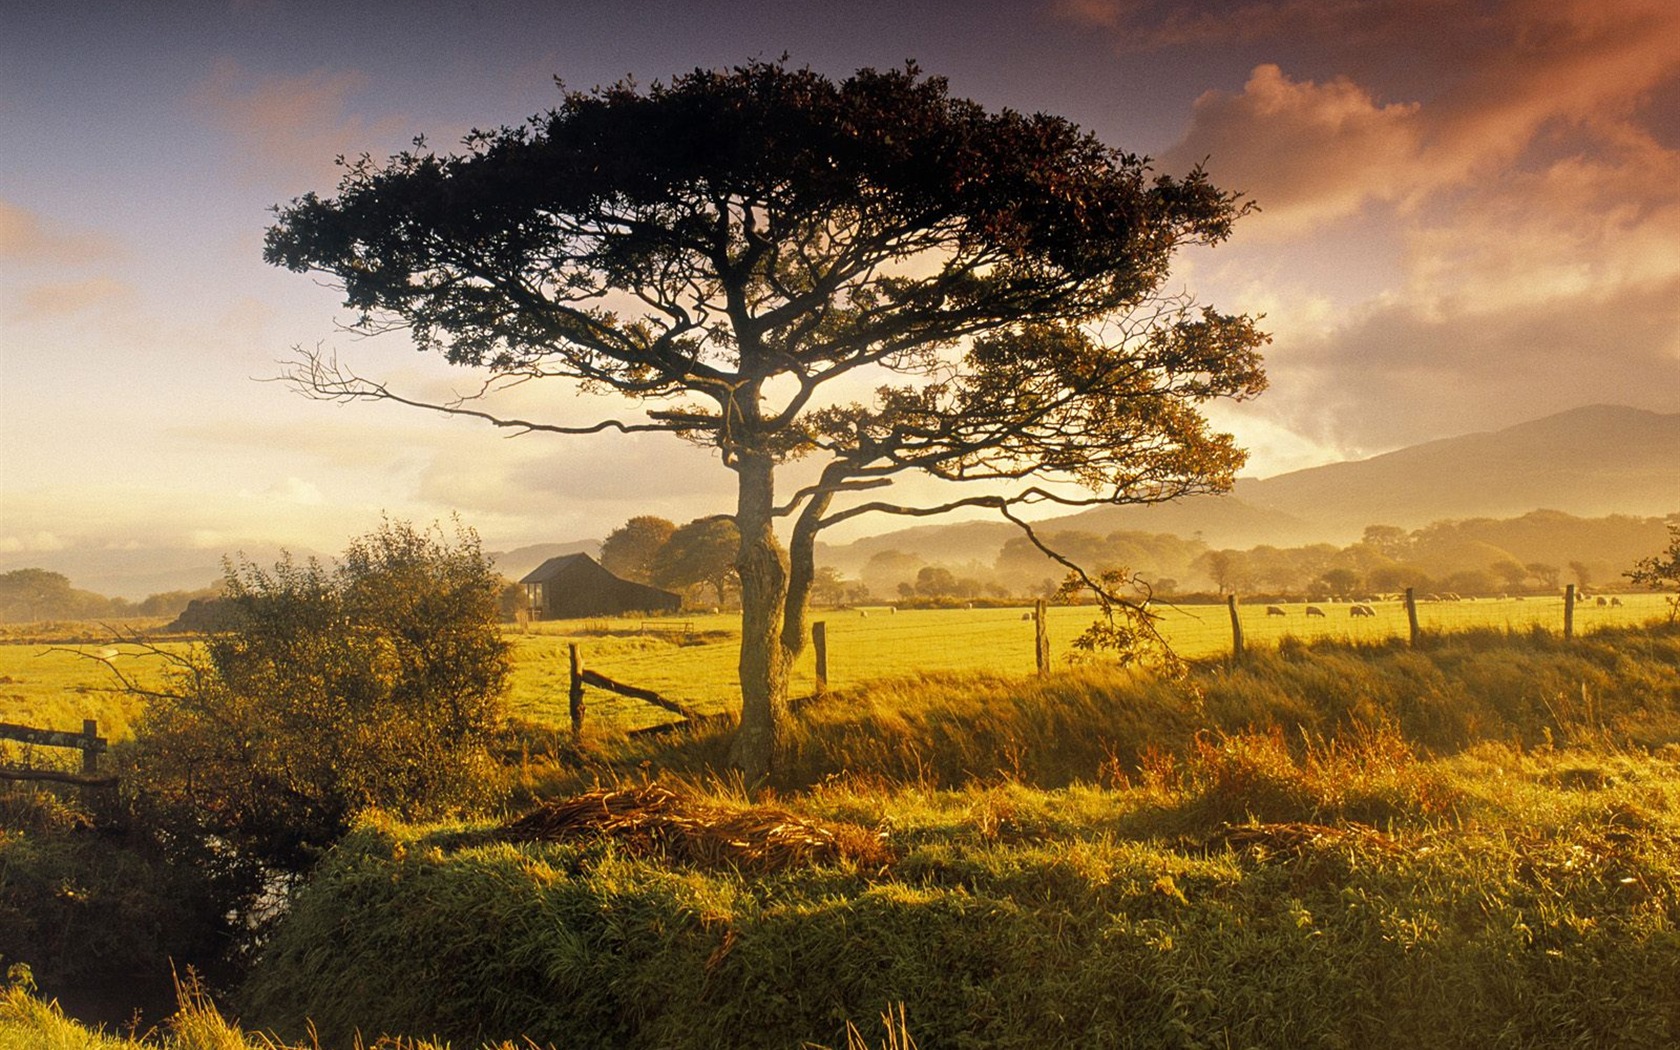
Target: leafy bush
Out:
[377,682]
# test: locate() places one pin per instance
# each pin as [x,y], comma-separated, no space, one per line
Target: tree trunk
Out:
[802,572]
[764,663]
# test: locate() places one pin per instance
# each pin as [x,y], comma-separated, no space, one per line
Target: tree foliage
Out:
[742,253]
[376,682]
[629,550]
[1662,570]
[701,553]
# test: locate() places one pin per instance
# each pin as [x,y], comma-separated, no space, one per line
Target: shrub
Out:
[377,682]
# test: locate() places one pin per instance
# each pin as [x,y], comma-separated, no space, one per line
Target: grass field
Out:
[693,658]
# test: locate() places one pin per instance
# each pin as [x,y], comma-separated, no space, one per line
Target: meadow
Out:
[691,658]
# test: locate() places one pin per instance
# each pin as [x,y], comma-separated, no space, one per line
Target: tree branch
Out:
[324,379]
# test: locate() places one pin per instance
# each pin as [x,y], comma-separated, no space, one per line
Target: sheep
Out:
[1313,610]
[1361,610]
[1272,610]
[1601,601]
[1617,602]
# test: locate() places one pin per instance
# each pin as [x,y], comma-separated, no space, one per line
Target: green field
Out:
[692,659]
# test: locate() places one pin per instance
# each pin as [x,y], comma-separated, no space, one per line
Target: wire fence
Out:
[871,644]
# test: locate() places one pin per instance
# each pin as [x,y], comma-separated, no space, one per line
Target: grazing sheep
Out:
[1617,602]
[1313,610]
[1361,610]
[1601,601]
[1026,616]
[1272,610]
[864,613]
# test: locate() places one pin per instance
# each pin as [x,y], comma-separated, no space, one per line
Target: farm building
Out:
[575,585]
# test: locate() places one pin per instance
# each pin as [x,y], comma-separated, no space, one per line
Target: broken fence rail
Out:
[88,742]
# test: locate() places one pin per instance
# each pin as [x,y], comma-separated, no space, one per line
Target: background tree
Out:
[377,682]
[629,550]
[1546,573]
[700,553]
[1391,541]
[1662,570]
[935,581]
[828,587]
[1340,582]
[725,250]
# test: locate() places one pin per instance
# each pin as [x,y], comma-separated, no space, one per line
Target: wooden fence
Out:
[88,742]
[581,676]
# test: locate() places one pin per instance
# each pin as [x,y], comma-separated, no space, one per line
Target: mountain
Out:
[1589,461]
[1593,461]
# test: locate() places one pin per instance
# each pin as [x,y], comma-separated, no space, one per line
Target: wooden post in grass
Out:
[1041,637]
[1411,616]
[91,746]
[1236,627]
[1569,612]
[576,694]
[819,642]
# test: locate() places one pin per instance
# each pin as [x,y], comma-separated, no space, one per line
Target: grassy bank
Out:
[1508,898]
[1475,843]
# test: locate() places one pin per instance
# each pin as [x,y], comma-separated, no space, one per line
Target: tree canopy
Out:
[867,274]
[629,550]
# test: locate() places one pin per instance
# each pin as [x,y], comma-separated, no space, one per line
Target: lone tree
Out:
[870,274]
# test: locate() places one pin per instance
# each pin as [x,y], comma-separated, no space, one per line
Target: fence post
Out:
[1411,615]
[576,694]
[91,746]
[1041,637]
[1569,612]
[819,642]
[1236,627]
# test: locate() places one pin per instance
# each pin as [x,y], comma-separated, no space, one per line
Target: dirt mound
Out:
[655,821]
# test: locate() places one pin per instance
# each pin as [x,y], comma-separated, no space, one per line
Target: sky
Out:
[1469,217]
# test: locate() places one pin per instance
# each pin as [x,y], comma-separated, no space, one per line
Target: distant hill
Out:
[1587,462]
[520,561]
[139,572]
[136,573]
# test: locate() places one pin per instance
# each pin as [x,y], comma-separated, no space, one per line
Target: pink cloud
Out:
[26,238]
[291,128]
[1501,83]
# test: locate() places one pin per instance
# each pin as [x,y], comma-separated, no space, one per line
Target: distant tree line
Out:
[1537,553]
[30,595]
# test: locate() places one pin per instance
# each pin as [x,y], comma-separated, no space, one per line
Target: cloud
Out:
[69,298]
[1400,372]
[1309,153]
[28,239]
[292,128]
[1488,89]
[583,476]
[1145,25]
[292,490]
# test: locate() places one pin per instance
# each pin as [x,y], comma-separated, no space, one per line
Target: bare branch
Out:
[322,378]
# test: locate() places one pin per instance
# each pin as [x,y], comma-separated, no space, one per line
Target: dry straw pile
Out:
[654,820]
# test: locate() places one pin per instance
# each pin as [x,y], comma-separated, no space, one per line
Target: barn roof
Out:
[558,566]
